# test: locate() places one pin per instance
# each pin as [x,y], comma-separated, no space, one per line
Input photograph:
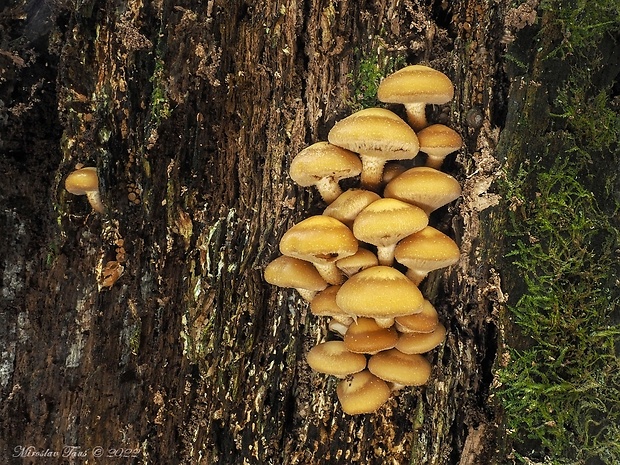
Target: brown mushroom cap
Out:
[348,205]
[362,392]
[415,86]
[424,322]
[297,274]
[438,141]
[357,262]
[419,343]
[385,222]
[399,368]
[324,304]
[425,251]
[379,292]
[320,240]
[378,135]
[323,165]
[425,187]
[365,336]
[333,358]
[85,181]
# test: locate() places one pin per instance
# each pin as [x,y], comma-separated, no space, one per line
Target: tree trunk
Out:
[191,112]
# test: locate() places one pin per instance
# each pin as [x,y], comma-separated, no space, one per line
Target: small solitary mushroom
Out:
[438,141]
[85,181]
[295,273]
[320,240]
[416,86]
[323,165]
[385,222]
[362,392]
[378,135]
[425,187]
[425,251]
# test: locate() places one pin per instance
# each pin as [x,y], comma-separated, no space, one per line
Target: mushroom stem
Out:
[416,276]
[94,198]
[385,254]
[329,189]
[330,272]
[372,172]
[416,115]
[433,161]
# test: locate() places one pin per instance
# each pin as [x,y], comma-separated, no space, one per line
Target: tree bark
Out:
[191,112]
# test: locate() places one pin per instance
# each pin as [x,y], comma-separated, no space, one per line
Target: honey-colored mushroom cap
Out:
[323,165]
[424,322]
[320,240]
[438,141]
[379,292]
[419,343]
[295,273]
[378,135]
[85,181]
[333,358]
[415,86]
[399,368]
[385,222]
[357,262]
[365,336]
[425,251]
[348,205]
[324,304]
[362,392]
[428,188]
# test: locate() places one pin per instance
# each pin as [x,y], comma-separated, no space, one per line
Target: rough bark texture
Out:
[196,109]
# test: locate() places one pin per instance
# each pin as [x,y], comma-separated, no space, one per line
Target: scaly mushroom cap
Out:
[357,262]
[425,187]
[419,343]
[333,358]
[348,205]
[425,251]
[415,86]
[399,368]
[379,292]
[320,240]
[378,135]
[295,273]
[362,392]
[424,322]
[438,141]
[365,336]
[385,222]
[323,165]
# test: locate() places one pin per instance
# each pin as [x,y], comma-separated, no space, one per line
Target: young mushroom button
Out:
[378,135]
[323,165]
[85,181]
[415,86]
[437,142]
[320,240]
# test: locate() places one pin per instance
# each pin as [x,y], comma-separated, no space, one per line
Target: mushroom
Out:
[379,292]
[333,358]
[419,343]
[324,304]
[365,336]
[85,181]
[346,207]
[425,187]
[362,392]
[357,262]
[378,135]
[385,222]
[400,369]
[295,273]
[437,141]
[424,322]
[425,251]
[323,165]
[337,327]
[320,240]
[415,86]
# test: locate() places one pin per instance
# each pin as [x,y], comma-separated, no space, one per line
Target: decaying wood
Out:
[191,112]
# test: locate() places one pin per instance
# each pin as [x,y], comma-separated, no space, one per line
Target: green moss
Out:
[365,81]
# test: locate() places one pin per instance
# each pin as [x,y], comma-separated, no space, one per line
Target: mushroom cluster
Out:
[360,263]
